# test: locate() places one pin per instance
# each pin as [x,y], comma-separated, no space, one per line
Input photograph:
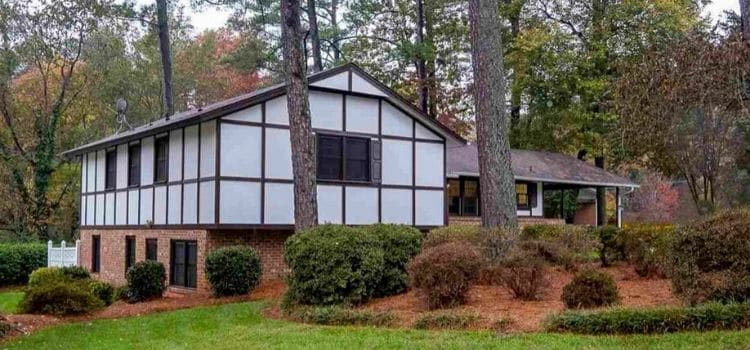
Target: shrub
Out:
[523,272]
[710,260]
[5,327]
[446,320]
[17,261]
[400,243]
[145,280]
[553,252]
[104,291]
[332,264]
[590,288]
[646,247]
[452,233]
[60,297]
[712,316]
[46,275]
[120,293]
[609,247]
[444,273]
[75,272]
[340,316]
[579,240]
[233,270]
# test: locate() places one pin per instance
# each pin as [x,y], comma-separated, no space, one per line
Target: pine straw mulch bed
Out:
[27,323]
[494,303]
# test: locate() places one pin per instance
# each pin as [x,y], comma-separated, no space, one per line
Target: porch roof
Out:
[538,166]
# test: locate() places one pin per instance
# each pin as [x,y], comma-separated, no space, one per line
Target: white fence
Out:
[62,255]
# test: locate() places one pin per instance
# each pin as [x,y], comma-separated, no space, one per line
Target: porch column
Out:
[618,201]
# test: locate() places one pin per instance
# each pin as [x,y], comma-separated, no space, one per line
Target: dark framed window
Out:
[129,252]
[463,197]
[134,165]
[161,159]
[96,253]
[110,179]
[526,195]
[343,158]
[183,260]
[151,249]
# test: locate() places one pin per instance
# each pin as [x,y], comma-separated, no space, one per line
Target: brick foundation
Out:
[522,221]
[269,244]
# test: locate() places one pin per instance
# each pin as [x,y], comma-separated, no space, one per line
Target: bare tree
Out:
[497,184]
[300,128]
[312,17]
[166,59]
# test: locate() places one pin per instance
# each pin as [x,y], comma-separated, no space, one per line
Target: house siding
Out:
[245,157]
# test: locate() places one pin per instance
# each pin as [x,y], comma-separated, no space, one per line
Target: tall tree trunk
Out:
[422,89]
[300,128]
[496,177]
[745,12]
[335,26]
[601,197]
[430,64]
[166,58]
[515,94]
[312,17]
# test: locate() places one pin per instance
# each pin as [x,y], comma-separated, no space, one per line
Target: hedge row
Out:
[712,316]
[17,261]
[340,316]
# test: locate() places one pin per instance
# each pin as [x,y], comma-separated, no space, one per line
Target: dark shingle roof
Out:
[233,104]
[537,166]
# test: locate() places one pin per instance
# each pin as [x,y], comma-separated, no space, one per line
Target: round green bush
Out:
[332,264]
[443,274]
[590,289]
[710,260]
[146,280]
[104,291]
[76,272]
[46,275]
[17,261]
[400,244]
[60,297]
[233,270]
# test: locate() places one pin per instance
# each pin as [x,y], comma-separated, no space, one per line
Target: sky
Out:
[212,17]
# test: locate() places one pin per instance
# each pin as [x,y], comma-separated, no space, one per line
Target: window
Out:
[151,249]
[110,180]
[522,195]
[134,165]
[343,158]
[95,253]
[526,195]
[161,160]
[463,196]
[129,252]
[183,263]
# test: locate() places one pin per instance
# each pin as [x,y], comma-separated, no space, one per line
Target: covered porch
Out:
[551,188]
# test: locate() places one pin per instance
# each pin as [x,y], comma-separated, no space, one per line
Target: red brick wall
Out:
[269,244]
[586,214]
[522,221]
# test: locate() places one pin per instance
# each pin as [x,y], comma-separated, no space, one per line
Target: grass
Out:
[242,326]
[9,301]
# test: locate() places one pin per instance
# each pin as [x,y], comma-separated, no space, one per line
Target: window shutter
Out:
[376,161]
[532,186]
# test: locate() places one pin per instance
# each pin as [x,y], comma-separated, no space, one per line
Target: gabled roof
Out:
[221,108]
[539,166]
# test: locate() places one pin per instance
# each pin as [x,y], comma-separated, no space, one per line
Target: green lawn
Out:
[9,301]
[241,326]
